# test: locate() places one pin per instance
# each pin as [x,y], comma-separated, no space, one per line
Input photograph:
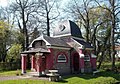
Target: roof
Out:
[56,41]
[41,50]
[82,42]
[67,28]
[50,41]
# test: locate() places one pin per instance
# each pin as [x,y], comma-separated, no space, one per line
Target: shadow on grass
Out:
[110,74]
[90,76]
[84,76]
[63,81]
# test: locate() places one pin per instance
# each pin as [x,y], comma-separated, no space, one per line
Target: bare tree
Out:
[22,11]
[89,17]
[50,12]
[81,14]
[30,15]
[113,7]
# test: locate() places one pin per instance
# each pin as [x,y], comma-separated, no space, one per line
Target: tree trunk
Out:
[101,60]
[87,35]
[94,41]
[48,25]
[112,35]
[87,29]
[109,51]
[25,31]
[113,49]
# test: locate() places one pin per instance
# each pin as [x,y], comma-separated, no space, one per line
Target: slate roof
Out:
[85,44]
[56,41]
[67,28]
[51,41]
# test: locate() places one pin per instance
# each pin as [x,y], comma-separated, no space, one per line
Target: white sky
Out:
[3,3]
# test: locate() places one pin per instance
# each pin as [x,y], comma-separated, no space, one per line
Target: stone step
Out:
[35,74]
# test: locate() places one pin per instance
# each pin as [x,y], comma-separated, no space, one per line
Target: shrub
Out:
[9,66]
[13,55]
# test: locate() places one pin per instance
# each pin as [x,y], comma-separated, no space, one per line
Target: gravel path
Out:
[2,78]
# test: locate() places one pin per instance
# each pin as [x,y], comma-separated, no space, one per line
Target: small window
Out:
[86,58]
[61,58]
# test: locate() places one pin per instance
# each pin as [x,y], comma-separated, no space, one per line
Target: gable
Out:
[38,44]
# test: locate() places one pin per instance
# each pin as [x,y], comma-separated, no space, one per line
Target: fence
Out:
[10,66]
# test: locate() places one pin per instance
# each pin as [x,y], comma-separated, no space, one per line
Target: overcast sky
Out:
[4,3]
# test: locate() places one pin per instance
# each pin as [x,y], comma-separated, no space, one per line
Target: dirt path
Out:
[2,78]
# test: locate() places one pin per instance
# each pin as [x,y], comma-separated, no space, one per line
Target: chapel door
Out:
[76,62]
[43,64]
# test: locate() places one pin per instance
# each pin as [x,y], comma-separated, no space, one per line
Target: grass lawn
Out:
[8,73]
[101,78]
[11,73]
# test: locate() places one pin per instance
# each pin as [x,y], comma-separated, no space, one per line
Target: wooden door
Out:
[76,62]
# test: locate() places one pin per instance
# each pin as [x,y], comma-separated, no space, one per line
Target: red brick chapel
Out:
[67,51]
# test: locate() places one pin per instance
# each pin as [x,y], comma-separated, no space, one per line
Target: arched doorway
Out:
[76,62]
[41,63]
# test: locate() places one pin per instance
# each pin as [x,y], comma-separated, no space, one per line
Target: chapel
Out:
[67,51]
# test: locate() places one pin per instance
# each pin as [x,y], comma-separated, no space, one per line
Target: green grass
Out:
[71,80]
[11,73]
[26,81]
[101,78]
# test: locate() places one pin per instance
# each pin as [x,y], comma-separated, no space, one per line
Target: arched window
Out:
[61,58]
[86,58]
